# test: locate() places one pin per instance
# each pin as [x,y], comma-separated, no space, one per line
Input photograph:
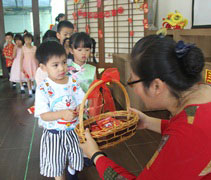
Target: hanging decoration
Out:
[75,27]
[83,2]
[87,29]
[97,15]
[99,2]
[144,7]
[76,1]
[131,33]
[130,20]
[100,33]
[145,23]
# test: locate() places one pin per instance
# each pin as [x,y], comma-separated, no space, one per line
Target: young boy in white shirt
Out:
[57,102]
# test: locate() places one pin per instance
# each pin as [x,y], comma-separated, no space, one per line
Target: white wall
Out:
[167,6]
[58,6]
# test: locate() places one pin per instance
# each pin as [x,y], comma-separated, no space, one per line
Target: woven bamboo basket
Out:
[108,137]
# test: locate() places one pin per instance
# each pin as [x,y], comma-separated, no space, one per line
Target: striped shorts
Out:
[57,149]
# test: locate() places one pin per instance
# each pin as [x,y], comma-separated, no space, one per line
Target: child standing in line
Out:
[64,31]
[80,45]
[16,74]
[56,105]
[40,74]
[8,51]
[28,62]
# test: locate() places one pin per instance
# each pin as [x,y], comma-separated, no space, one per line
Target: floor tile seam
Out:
[4,137]
[151,142]
[133,155]
[152,136]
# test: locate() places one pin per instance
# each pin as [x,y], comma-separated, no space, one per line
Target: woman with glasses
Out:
[167,75]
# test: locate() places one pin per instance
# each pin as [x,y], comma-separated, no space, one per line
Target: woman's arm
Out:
[106,167]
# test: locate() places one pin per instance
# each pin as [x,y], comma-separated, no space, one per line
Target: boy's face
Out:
[56,68]
[64,33]
[81,54]
[9,39]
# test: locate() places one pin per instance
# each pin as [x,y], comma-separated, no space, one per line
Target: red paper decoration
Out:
[146,10]
[131,33]
[99,2]
[130,20]
[87,29]
[100,15]
[144,6]
[74,16]
[100,34]
[145,21]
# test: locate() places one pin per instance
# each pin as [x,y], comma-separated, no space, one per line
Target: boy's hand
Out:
[68,115]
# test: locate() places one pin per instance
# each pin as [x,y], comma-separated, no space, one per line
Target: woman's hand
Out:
[143,119]
[147,122]
[89,147]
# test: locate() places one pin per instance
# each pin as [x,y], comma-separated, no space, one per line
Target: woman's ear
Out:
[58,35]
[157,87]
[43,67]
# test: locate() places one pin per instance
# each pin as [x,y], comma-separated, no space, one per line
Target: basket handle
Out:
[81,124]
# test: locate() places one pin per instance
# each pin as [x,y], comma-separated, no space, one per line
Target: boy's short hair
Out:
[28,35]
[49,49]
[63,24]
[49,35]
[19,37]
[9,34]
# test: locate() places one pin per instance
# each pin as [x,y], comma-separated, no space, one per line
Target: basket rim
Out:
[81,111]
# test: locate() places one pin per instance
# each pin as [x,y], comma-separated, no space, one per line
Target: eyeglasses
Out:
[131,83]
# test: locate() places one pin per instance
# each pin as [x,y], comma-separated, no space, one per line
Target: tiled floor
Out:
[16,129]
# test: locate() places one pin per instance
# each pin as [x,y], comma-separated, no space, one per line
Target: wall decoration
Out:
[145,22]
[100,33]
[99,2]
[201,14]
[174,21]
[130,20]
[100,15]
[87,29]
[131,33]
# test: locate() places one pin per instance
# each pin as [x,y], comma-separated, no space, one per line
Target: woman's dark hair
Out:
[49,36]
[155,56]
[49,49]
[19,37]
[28,35]
[59,16]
